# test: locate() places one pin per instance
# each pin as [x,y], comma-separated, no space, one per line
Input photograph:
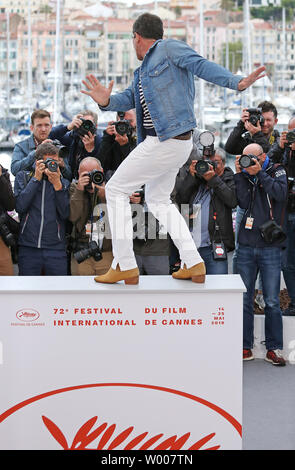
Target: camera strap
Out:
[218,246]
[271,212]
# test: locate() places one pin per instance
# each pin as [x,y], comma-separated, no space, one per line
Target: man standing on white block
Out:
[162,93]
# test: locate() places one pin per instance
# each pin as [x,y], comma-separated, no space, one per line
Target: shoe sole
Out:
[274,363]
[248,358]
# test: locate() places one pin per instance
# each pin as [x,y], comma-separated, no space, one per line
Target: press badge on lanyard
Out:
[249,223]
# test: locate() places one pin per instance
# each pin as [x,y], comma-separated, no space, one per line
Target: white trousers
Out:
[154,164]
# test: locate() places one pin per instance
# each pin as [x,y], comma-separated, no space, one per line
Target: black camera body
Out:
[9,229]
[123,126]
[245,161]
[202,166]
[51,164]
[255,116]
[86,126]
[272,232]
[92,250]
[290,137]
[96,177]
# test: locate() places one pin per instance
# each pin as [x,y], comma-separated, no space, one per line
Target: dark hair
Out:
[87,112]
[149,26]
[39,113]
[45,149]
[268,106]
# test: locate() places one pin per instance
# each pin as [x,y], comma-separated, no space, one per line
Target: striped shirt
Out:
[147,120]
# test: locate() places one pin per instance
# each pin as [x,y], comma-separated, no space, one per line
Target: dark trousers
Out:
[38,261]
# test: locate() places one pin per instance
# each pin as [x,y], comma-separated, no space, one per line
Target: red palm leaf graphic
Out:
[107,435]
[173,443]
[55,432]
[84,437]
[135,441]
[120,438]
[202,441]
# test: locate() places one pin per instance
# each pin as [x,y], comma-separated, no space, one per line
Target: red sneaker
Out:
[275,357]
[247,355]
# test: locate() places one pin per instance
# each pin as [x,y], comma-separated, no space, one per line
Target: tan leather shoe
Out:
[196,273]
[131,276]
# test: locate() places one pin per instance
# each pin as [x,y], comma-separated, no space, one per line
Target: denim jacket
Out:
[167,76]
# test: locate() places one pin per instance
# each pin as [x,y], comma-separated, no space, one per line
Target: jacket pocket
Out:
[161,74]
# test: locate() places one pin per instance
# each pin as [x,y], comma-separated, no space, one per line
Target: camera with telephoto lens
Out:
[92,250]
[86,126]
[206,139]
[247,160]
[9,229]
[255,116]
[272,232]
[123,126]
[96,177]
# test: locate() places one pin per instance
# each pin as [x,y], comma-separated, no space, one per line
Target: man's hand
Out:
[283,139]
[245,115]
[192,169]
[0,170]
[39,169]
[89,142]
[110,129]
[209,174]
[252,129]
[248,81]
[54,178]
[121,139]
[254,169]
[83,180]
[99,93]
[237,166]
[76,122]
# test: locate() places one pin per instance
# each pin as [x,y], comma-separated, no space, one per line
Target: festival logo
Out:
[121,416]
[27,315]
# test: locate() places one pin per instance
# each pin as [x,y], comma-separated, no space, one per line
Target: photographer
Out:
[261,191]
[7,203]
[209,189]
[23,157]
[81,138]
[150,242]
[118,140]
[283,151]
[256,126]
[90,256]
[42,202]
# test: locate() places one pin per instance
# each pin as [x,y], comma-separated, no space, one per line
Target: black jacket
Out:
[239,138]
[7,199]
[223,200]
[111,153]
[271,181]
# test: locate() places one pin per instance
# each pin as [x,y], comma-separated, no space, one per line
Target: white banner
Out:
[154,366]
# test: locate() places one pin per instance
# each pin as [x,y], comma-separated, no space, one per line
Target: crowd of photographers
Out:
[62,217]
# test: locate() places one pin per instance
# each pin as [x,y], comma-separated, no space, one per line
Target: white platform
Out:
[144,357]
